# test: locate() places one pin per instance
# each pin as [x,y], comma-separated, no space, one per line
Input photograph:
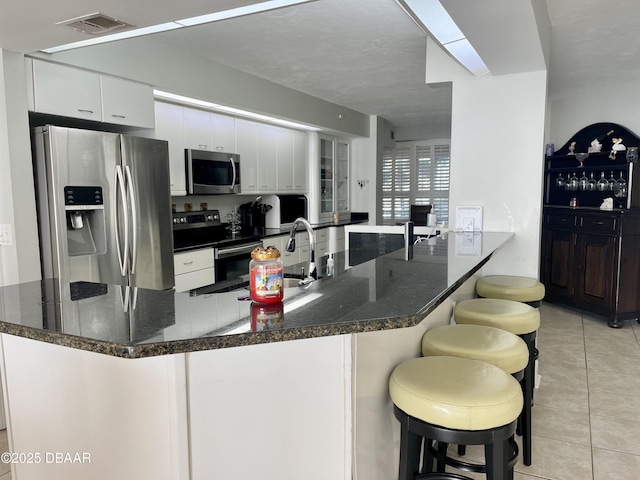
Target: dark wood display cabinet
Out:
[590,257]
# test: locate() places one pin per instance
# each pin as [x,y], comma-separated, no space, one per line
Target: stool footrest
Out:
[473,467]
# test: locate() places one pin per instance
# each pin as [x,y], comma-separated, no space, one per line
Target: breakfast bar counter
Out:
[206,384]
[385,293]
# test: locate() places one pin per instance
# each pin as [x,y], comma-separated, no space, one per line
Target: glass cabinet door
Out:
[342,177]
[326,176]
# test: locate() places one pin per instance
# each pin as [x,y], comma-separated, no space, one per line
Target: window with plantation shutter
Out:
[415,173]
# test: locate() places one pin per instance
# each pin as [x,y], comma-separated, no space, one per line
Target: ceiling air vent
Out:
[95,24]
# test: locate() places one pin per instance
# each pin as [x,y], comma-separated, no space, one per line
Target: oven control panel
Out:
[204,218]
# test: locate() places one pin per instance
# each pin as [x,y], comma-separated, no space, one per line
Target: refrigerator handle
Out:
[134,220]
[123,258]
[233,168]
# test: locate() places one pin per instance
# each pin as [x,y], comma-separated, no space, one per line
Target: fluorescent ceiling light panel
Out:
[235,111]
[214,17]
[432,17]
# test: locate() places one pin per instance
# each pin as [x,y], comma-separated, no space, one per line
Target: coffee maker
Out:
[253,217]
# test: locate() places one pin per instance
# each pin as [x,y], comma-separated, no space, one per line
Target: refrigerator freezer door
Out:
[146,166]
[77,158]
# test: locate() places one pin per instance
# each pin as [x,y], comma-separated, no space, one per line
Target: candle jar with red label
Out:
[266,273]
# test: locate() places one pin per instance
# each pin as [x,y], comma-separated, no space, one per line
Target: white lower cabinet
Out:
[336,239]
[194,269]
[250,406]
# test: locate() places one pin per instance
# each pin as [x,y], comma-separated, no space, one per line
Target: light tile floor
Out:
[586,417]
[586,414]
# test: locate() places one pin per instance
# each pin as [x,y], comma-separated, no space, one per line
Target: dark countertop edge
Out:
[566,208]
[171,347]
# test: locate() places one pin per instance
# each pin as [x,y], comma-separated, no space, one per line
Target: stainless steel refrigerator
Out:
[104,208]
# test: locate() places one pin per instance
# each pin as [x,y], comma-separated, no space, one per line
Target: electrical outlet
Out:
[5,234]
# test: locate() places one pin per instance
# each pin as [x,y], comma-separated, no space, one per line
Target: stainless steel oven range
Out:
[204,229]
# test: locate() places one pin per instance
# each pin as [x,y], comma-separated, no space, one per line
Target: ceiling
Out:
[367,55]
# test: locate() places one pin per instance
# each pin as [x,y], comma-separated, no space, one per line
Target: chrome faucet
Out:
[291,247]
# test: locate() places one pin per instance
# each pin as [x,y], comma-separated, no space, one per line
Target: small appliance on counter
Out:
[253,217]
[286,208]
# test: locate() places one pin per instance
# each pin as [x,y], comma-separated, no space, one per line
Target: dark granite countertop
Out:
[385,293]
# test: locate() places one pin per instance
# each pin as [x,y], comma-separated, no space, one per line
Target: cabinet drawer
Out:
[194,260]
[322,235]
[197,279]
[561,219]
[599,223]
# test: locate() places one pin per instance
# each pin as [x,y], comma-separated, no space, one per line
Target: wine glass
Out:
[572,183]
[583,182]
[581,157]
[602,185]
[560,181]
[620,187]
[591,186]
[612,183]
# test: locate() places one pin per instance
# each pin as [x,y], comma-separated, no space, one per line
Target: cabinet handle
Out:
[117,116]
[84,110]
[220,149]
[599,223]
[580,266]
[202,145]
[187,263]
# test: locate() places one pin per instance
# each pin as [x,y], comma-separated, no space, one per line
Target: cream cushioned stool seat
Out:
[515,317]
[509,287]
[498,347]
[455,400]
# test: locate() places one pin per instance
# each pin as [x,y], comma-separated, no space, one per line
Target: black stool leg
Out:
[528,385]
[409,452]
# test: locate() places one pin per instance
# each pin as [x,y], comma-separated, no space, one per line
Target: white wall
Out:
[20,261]
[615,103]
[366,156]
[497,140]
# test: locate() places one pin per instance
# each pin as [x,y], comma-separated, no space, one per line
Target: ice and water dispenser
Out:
[84,208]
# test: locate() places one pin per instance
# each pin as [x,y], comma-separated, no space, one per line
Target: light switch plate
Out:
[5,234]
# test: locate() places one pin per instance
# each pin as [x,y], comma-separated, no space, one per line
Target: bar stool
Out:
[498,347]
[509,287]
[515,317]
[454,400]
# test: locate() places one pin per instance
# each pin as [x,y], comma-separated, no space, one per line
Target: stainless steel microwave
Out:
[212,173]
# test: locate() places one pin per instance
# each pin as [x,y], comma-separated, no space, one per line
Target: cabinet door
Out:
[300,162]
[326,177]
[267,157]
[285,152]
[223,135]
[557,263]
[66,91]
[169,123]
[247,148]
[197,129]
[126,103]
[594,270]
[342,177]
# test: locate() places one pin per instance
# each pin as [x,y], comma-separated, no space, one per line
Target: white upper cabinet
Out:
[247,148]
[300,161]
[126,103]
[65,91]
[169,124]
[197,129]
[267,157]
[285,139]
[73,92]
[223,134]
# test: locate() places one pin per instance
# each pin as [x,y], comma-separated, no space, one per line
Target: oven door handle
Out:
[227,252]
